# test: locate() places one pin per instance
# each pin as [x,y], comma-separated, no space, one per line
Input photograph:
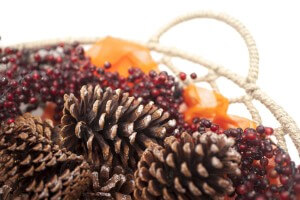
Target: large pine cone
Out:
[109,127]
[111,184]
[35,168]
[192,168]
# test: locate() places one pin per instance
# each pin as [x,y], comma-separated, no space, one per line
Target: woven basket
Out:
[253,92]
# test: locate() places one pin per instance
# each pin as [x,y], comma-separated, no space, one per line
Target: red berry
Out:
[10,97]
[13,83]
[36,76]
[49,71]
[33,100]
[193,75]
[12,60]
[260,129]
[37,57]
[297,188]
[58,59]
[107,65]
[250,136]
[284,179]
[241,189]
[155,92]
[162,78]
[284,195]
[260,197]
[182,76]
[3,81]
[269,131]
[10,120]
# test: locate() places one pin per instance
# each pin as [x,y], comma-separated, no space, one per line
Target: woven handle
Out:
[288,125]
[234,23]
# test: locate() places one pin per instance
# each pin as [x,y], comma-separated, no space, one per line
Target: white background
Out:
[273,24]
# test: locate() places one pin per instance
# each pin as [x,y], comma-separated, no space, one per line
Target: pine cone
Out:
[34,167]
[111,184]
[110,127]
[44,128]
[192,168]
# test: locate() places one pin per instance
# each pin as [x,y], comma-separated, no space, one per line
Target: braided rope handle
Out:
[288,125]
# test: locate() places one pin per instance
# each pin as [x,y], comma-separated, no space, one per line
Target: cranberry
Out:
[297,188]
[107,65]
[260,129]
[3,81]
[36,76]
[152,74]
[193,75]
[284,195]
[250,136]
[260,197]
[182,76]
[10,120]
[269,131]
[241,189]
[214,127]
[155,92]
[13,83]
[4,60]
[37,57]
[33,100]
[284,179]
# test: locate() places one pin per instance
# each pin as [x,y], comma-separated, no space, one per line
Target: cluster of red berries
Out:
[36,76]
[261,179]
[202,125]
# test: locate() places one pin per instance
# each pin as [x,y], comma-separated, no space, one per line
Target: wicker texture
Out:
[253,92]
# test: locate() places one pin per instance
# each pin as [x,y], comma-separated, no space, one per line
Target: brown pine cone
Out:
[111,184]
[109,127]
[190,168]
[36,168]
[42,127]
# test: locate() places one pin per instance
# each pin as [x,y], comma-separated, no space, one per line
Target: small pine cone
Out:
[194,167]
[36,168]
[109,127]
[111,184]
[42,127]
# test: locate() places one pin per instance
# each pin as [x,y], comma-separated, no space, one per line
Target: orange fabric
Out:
[122,55]
[208,104]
